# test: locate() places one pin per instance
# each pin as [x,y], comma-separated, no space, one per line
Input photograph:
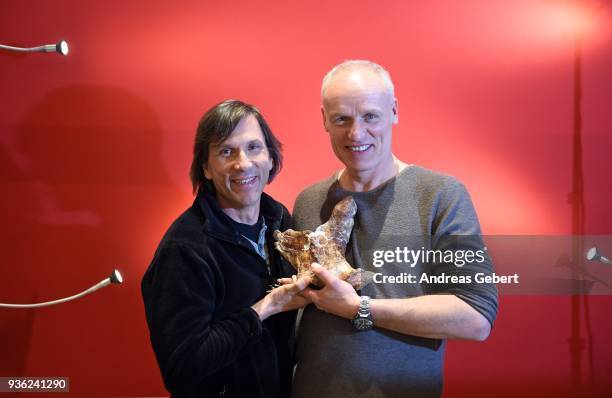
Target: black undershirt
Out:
[249,231]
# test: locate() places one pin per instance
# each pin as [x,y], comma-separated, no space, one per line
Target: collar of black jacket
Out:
[217,223]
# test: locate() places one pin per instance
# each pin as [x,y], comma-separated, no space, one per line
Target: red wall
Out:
[95,150]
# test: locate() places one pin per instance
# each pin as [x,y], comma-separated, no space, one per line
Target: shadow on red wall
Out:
[83,185]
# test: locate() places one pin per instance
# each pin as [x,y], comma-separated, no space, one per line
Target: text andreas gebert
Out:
[458,258]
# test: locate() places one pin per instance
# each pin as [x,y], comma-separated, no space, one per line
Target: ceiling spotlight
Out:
[594,255]
[61,48]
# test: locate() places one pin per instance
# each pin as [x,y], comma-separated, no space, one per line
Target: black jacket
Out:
[198,293]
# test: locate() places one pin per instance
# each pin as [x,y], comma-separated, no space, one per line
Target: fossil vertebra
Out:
[326,246]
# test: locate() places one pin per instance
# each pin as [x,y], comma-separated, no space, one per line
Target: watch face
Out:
[362,323]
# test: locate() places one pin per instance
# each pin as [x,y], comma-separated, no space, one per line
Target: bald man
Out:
[388,339]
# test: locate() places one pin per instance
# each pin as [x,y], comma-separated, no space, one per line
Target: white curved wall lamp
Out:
[115,277]
[61,48]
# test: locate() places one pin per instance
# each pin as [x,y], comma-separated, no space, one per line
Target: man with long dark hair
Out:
[214,328]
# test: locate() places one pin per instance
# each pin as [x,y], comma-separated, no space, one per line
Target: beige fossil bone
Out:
[326,246]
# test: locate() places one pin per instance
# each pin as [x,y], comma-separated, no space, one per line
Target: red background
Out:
[95,149]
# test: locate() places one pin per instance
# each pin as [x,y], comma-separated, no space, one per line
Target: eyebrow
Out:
[363,112]
[225,144]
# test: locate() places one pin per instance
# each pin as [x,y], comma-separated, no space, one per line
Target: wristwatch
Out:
[363,320]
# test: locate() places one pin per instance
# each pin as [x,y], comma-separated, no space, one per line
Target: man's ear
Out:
[206,172]
[395,114]
[324,118]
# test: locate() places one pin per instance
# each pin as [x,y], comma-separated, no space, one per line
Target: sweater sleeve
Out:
[179,292]
[456,228]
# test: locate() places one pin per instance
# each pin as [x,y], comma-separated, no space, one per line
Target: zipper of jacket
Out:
[240,242]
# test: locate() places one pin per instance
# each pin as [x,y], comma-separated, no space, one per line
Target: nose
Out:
[242,161]
[356,131]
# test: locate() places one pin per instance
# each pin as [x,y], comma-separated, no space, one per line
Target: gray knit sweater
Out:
[418,209]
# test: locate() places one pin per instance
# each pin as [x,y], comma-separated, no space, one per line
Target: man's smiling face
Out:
[359,112]
[239,167]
